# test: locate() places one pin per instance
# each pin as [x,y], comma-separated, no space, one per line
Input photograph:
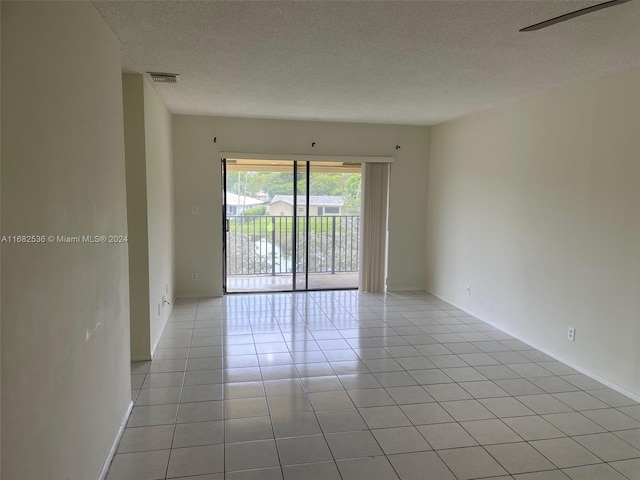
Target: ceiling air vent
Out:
[158,77]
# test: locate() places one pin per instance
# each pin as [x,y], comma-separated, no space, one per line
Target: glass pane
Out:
[334,225]
[259,215]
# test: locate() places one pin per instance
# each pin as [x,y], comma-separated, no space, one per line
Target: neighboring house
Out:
[262,196]
[236,204]
[319,205]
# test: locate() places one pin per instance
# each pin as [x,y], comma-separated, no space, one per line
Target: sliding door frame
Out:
[296,159]
[225,225]
[294,226]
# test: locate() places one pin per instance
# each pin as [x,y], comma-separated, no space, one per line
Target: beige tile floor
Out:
[351,386]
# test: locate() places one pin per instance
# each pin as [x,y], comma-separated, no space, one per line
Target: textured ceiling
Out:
[416,63]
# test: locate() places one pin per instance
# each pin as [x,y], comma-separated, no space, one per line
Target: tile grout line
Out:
[186,365]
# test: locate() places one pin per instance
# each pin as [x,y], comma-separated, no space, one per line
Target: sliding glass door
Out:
[290,225]
[333,233]
[260,238]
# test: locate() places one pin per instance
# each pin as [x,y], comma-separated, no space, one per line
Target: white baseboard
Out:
[188,295]
[114,447]
[144,358]
[553,355]
[155,346]
[404,289]
[200,295]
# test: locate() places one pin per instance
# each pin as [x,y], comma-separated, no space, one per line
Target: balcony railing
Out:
[263,245]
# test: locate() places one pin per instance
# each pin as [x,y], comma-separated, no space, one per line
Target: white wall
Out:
[160,223]
[0,250]
[136,169]
[535,206]
[65,317]
[198,182]
[148,143]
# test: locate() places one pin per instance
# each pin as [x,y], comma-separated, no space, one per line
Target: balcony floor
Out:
[270,283]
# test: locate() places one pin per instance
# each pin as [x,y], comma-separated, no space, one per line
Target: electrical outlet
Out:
[571,334]
[194,276]
[469,290]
